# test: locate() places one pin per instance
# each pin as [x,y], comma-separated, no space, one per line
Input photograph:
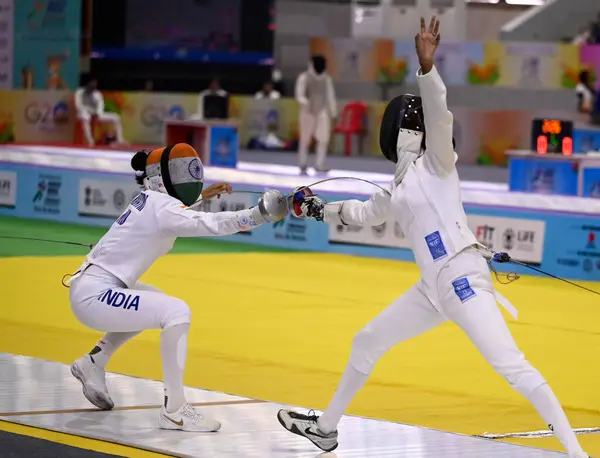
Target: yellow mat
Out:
[279,327]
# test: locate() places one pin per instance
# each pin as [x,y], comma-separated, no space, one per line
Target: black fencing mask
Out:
[319,64]
[404,113]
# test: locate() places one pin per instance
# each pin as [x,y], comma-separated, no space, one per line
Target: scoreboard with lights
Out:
[552,136]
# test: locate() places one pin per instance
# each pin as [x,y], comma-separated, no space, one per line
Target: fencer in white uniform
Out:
[106,294]
[455,284]
[90,102]
[316,96]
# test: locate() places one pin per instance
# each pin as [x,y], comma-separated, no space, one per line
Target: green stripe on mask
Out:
[188,193]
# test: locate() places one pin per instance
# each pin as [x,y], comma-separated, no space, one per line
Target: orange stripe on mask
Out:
[154,156]
[180,150]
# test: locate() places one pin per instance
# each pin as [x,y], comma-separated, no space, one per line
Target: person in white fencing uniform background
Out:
[318,110]
[106,294]
[90,102]
[455,284]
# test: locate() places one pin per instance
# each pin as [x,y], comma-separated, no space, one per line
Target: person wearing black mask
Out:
[316,96]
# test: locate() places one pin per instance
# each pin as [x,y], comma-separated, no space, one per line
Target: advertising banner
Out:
[532,65]
[110,198]
[41,116]
[586,140]
[388,234]
[543,177]
[143,113]
[49,117]
[589,56]
[575,252]
[105,198]
[48,195]
[224,146]
[260,117]
[354,59]
[457,62]
[229,203]
[7,16]
[567,245]
[522,239]
[8,189]
[591,183]
[47,39]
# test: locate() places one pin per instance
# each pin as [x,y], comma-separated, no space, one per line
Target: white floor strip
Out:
[269,176]
[43,394]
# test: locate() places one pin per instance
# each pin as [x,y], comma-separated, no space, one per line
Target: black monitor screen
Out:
[216,107]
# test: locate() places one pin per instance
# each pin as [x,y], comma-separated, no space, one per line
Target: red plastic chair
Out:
[352,122]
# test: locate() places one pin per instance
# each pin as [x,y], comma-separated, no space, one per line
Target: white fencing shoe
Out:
[306,426]
[93,381]
[186,418]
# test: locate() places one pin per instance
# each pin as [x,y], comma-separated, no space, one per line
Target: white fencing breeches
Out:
[465,296]
[319,127]
[102,302]
[111,118]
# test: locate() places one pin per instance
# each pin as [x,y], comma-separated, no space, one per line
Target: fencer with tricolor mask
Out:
[425,200]
[177,171]
[106,294]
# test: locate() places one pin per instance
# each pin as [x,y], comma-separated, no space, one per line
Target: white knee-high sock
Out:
[351,381]
[303,152]
[173,351]
[106,346]
[547,405]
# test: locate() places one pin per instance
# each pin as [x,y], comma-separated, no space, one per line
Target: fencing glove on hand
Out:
[304,204]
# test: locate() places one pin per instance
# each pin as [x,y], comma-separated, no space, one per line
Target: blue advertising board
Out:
[543,176]
[571,242]
[47,42]
[224,146]
[591,183]
[586,140]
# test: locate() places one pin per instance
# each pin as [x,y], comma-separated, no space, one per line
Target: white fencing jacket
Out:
[427,204]
[148,228]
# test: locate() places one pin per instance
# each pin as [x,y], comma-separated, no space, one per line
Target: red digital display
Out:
[567,146]
[551,126]
[542,144]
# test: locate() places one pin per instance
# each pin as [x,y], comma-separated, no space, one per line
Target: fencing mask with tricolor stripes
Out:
[175,170]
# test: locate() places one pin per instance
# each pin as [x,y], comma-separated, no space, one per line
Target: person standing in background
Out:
[90,102]
[316,96]
[267,92]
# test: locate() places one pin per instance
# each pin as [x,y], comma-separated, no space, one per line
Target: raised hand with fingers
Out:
[426,42]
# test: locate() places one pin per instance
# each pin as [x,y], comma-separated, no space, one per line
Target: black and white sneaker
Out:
[306,426]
